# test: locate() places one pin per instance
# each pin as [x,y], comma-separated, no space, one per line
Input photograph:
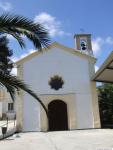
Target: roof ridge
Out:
[55,44]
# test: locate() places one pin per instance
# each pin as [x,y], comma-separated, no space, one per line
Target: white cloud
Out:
[6,6]
[51,24]
[109,40]
[30,51]
[97,45]
[10,37]
[14,71]
[99,42]
[14,59]
[96,68]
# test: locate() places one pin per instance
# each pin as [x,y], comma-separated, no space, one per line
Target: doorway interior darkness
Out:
[58,119]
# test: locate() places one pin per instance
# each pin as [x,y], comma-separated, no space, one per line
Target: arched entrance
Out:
[58,119]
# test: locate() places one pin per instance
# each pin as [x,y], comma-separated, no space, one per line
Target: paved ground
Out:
[99,139]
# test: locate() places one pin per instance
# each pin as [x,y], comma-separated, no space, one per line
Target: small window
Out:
[10,106]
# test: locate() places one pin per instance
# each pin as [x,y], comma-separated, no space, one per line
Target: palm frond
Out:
[19,25]
[12,84]
[11,91]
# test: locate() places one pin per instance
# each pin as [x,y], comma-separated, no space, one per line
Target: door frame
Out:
[69,99]
[62,105]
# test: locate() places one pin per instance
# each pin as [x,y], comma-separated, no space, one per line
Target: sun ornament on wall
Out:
[56,82]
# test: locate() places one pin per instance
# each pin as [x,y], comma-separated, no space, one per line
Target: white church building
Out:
[62,78]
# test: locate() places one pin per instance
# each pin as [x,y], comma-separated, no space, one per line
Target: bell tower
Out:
[83,43]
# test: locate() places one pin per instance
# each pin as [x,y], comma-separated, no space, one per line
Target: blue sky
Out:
[66,18]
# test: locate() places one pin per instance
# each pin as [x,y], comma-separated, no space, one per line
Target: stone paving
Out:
[94,139]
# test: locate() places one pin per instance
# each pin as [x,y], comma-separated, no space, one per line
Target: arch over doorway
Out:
[58,119]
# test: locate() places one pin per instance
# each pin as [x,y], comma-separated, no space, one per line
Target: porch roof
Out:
[105,72]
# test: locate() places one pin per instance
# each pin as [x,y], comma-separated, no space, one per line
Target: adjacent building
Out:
[7,106]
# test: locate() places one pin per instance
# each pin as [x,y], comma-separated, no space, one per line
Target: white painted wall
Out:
[75,73]
[0,109]
[73,70]
[31,112]
[84,111]
[4,106]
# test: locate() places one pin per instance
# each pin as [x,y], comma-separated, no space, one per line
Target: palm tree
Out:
[6,64]
[13,85]
[17,26]
[105,96]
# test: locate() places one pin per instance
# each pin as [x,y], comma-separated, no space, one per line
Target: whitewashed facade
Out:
[78,91]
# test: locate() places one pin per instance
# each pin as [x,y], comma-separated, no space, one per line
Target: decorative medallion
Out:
[56,82]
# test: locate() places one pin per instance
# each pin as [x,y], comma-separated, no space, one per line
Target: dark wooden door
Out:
[57,116]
